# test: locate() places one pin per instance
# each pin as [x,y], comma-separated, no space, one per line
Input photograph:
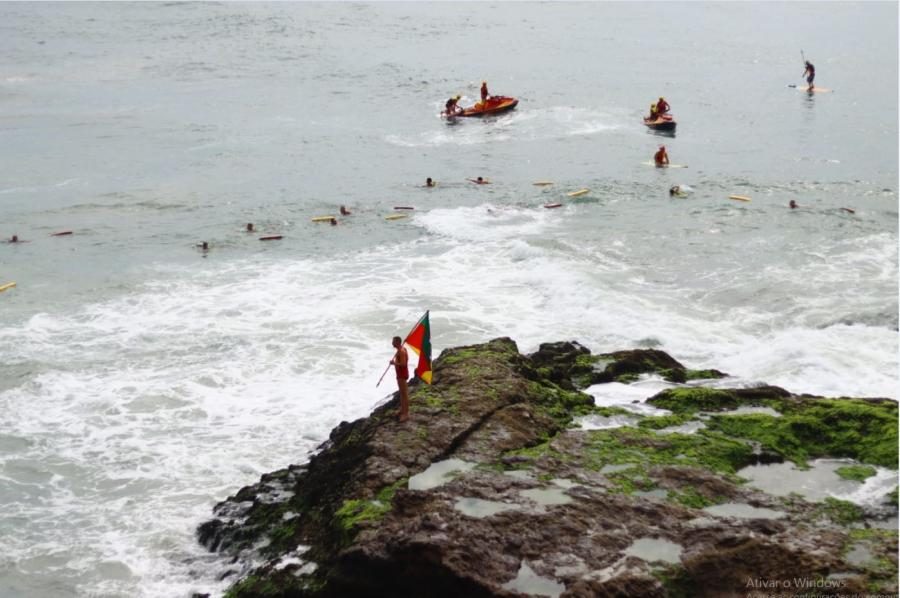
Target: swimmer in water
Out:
[344,211]
[429,182]
[480,181]
[249,228]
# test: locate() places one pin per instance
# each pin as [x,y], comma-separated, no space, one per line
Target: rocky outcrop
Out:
[489,490]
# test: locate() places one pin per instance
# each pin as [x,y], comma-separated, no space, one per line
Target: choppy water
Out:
[141,382]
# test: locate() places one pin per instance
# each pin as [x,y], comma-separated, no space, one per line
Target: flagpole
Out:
[416,325]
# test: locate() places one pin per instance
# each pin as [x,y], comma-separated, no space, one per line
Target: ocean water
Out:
[141,381]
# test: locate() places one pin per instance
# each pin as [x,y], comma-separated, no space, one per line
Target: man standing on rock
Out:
[400,363]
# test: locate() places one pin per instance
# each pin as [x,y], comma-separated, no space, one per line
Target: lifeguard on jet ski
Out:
[659,118]
[488,105]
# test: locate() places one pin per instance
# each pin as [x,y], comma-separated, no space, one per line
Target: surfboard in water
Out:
[652,163]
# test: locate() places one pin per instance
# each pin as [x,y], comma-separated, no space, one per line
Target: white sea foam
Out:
[521,124]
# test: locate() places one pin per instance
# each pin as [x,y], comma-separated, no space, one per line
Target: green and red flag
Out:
[419,340]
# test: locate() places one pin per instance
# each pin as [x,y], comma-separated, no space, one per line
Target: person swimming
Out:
[344,211]
[249,228]
[480,181]
[451,107]
[429,182]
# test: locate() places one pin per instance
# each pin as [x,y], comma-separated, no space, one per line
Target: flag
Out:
[419,340]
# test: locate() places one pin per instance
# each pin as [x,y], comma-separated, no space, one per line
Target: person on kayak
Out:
[662,106]
[484,92]
[812,74]
[654,112]
[661,158]
[451,108]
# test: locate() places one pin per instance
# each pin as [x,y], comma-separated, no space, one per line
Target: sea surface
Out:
[142,380]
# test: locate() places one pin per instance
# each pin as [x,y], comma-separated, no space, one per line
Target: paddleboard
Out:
[577,193]
[7,286]
[553,205]
[813,90]
[542,183]
[739,197]
[652,163]
[395,217]
[271,238]
[322,218]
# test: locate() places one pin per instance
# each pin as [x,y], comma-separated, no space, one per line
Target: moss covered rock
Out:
[537,490]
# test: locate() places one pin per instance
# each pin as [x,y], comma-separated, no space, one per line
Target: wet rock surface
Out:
[534,506]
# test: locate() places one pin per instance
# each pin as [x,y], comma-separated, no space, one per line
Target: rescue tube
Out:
[552,205]
[61,233]
[542,183]
[271,238]
[395,217]
[577,193]
[404,208]
[739,197]
[7,286]
[323,218]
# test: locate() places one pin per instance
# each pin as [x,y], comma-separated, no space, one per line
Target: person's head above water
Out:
[793,204]
[429,182]
[480,179]
[249,227]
